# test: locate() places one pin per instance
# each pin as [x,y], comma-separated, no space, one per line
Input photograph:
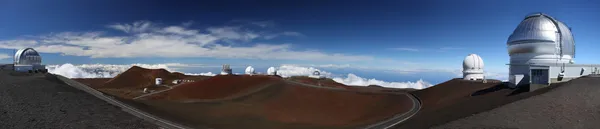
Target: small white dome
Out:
[249,70]
[272,71]
[158,81]
[473,67]
[473,62]
[316,73]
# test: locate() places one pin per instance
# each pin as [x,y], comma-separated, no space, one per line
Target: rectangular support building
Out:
[541,75]
[27,68]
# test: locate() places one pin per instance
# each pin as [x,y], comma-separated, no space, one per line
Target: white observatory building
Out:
[28,60]
[272,71]
[473,67]
[316,74]
[541,51]
[250,70]
[226,70]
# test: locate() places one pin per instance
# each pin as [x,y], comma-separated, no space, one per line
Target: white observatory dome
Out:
[473,67]
[226,70]
[27,56]
[541,39]
[249,70]
[316,74]
[272,71]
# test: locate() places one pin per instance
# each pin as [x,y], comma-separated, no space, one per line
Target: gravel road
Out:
[41,101]
[574,105]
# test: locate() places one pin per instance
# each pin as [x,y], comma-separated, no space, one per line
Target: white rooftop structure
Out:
[473,67]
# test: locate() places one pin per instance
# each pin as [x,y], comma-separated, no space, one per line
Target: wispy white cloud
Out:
[147,39]
[4,56]
[291,33]
[187,24]
[287,33]
[451,48]
[446,49]
[442,49]
[333,66]
[136,27]
[406,49]
[263,23]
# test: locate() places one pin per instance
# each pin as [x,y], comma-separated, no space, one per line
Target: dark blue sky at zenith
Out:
[424,34]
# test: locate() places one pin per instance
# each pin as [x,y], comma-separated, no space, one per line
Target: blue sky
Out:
[397,35]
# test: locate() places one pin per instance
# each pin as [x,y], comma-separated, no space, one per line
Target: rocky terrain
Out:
[36,101]
[573,105]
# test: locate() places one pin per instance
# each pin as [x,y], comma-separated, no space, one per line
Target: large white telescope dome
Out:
[473,67]
[249,70]
[541,39]
[27,56]
[272,71]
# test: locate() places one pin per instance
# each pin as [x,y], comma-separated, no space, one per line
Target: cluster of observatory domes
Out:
[249,70]
[270,71]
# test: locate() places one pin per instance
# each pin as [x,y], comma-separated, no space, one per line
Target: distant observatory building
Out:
[272,71]
[473,67]
[28,60]
[541,51]
[316,74]
[250,70]
[226,70]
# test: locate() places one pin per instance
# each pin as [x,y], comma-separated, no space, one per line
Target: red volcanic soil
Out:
[216,87]
[301,104]
[325,82]
[130,83]
[285,105]
[450,91]
[259,101]
[459,98]
[137,77]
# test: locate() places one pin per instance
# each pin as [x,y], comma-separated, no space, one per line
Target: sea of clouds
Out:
[111,70]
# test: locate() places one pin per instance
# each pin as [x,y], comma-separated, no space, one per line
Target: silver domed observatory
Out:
[541,39]
[28,60]
[541,51]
